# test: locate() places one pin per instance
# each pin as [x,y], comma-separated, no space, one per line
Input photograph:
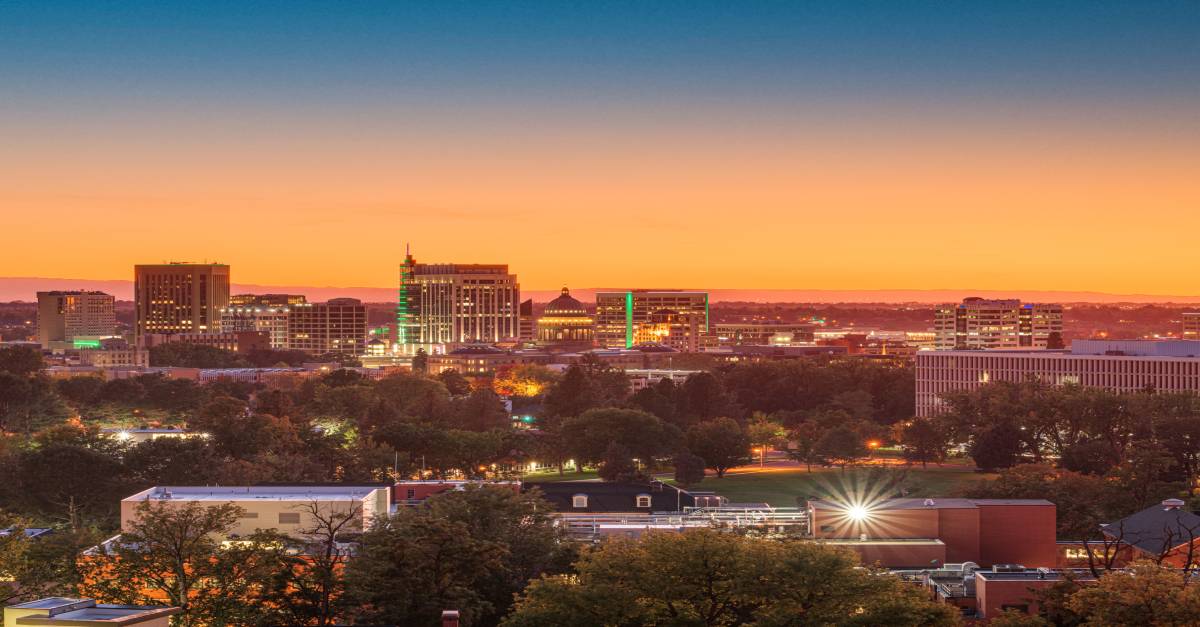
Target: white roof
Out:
[256,493]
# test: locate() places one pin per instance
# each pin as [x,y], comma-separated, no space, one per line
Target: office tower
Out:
[528,328]
[1191,325]
[566,324]
[179,297]
[266,300]
[74,318]
[270,319]
[337,326]
[977,323]
[440,304]
[619,315]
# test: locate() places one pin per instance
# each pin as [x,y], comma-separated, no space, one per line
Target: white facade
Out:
[271,320]
[1160,366]
[448,304]
[990,324]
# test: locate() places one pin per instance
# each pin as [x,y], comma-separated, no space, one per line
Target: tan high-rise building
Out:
[178,297]
[621,316]
[977,324]
[1191,325]
[454,303]
[70,317]
[337,326]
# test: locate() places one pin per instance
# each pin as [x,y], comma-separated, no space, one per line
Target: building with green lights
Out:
[68,318]
[447,304]
[624,317]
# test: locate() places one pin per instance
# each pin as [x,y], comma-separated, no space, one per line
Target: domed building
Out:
[565,324]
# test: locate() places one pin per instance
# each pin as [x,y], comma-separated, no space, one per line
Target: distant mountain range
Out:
[25,288]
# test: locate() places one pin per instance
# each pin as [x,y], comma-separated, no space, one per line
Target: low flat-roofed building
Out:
[1116,365]
[415,492]
[67,612]
[1015,588]
[145,434]
[284,508]
[984,531]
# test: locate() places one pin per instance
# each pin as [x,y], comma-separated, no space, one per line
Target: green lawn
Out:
[789,487]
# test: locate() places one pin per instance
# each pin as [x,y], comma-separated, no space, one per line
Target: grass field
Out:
[788,485]
[791,486]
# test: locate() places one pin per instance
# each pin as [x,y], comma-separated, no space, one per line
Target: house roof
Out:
[1156,529]
[613,497]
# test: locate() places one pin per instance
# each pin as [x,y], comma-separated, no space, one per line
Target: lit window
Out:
[579,501]
[643,500]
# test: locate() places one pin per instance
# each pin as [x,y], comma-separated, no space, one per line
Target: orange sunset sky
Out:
[676,167]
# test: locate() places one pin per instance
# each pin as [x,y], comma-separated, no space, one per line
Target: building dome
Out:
[565,305]
[565,324]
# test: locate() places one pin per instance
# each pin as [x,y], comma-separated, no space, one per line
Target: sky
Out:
[768,145]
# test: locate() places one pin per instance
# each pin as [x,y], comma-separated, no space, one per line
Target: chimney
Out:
[1172,504]
[449,618]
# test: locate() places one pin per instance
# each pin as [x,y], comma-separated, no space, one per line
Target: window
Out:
[289,519]
[643,500]
[249,515]
[579,501]
[410,494]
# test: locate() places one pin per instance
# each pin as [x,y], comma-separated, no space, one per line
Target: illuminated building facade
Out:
[441,304]
[273,320]
[619,315]
[179,297]
[69,317]
[1191,325]
[266,300]
[1116,365]
[336,326]
[760,333]
[566,324]
[977,323]
[680,331]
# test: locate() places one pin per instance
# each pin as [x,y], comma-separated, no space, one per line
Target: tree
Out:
[924,440]
[310,590]
[526,380]
[841,446]
[481,410]
[702,397]
[706,577]
[997,447]
[643,435]
[72,483]
[455,383]
[412,566]
[618,464]
[241,435]
[20,361]
[420,361]
[689,469]
[1083,502]
[802,442]
[1145,594]
[171,552]
[574,394]
[764,433]
[720,443]
[188,355]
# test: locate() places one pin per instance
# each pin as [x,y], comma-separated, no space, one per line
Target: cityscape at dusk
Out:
[607,314]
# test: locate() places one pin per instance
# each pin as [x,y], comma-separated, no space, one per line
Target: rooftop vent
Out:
[929,503]
[1172,504]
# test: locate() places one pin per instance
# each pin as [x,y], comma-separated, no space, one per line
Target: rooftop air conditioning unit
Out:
[1008,568]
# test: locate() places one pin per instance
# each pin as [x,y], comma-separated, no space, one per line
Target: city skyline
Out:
[763,146]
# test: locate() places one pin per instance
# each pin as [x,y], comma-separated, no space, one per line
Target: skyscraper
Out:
[977,323]
[75,318]
[620,316]
[440,304]
[179,297]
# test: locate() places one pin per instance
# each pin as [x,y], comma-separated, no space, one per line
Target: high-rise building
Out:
[448,303]
[528,326]
[620,315]
[977,323]
[273,320]
[1191,325]
[337,326]
[74,317]
[179,297]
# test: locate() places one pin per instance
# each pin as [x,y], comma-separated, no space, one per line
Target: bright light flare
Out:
[857,513]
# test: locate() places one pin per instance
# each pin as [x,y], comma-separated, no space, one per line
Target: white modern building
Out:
[977,323]
[1117,365]
[443,304]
